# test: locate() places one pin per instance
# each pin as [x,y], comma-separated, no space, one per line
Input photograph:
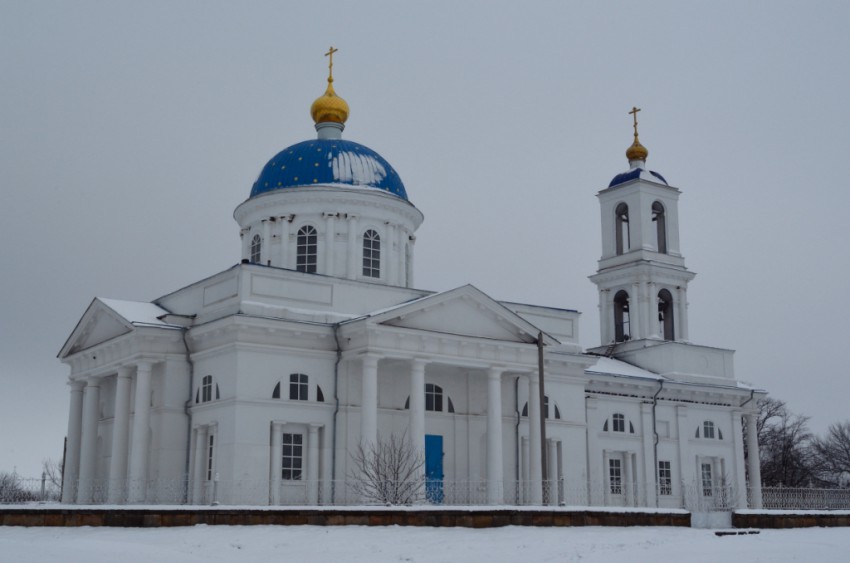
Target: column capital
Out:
[124,372]
[313,427]
[144,365]
[92,381]
[370,360]
[76,385]
[495,372]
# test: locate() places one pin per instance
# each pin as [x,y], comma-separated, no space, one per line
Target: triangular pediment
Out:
[98,324]
[465,311]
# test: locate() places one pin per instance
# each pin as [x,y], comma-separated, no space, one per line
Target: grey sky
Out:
[130,131]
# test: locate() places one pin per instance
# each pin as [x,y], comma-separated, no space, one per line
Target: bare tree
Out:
[12,490]
[785,452]
[388,472]
[832,454]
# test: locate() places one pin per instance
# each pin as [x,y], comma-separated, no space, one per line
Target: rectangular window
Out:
[293,457]
[665,478]
[707,485]
[210,457]
[619,423]
[206,389]
[298,387]
[615,476]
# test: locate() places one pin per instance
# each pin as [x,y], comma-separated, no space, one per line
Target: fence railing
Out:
[351,492]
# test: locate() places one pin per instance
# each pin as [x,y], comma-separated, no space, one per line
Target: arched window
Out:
[619,422]
[622,230]
[307,249]
[204,393]
[546,405]
[371,254]
[256,245]
[297,387]
[434,399]
[708,429]
[665,315]
[660,227]
[621,316]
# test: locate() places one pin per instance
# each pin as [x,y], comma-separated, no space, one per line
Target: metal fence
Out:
[691,496]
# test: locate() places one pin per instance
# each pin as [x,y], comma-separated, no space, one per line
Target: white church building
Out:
[257,384]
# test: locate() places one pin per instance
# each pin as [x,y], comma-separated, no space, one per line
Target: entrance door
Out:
[434,468]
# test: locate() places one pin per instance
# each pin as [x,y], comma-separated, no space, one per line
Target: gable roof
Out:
[463,311]
[106,319]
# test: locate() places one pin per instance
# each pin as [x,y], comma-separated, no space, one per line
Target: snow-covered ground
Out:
[355,544]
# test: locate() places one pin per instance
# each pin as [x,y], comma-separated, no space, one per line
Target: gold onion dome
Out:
[329,107]
[637,151]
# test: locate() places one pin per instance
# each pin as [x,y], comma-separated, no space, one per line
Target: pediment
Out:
[98,324]
[465,311]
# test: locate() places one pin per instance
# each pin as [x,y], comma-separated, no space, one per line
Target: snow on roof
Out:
[610,366]
[137,312]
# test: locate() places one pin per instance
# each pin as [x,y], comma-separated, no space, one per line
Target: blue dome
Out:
[636,173]
[328,161]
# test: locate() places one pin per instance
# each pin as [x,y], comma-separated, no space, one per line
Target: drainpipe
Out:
[752,394]
[543,453]
[516,436]
[186,411]
[655,433]
[336,411]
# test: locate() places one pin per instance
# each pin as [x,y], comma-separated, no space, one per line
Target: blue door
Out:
[434,468]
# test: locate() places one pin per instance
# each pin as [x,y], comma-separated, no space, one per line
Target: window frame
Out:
[256,249]
[371,254]
[210,456]
[307,249]
[708,428]
[622,316]
[292,456]
[706,479]
[659,217]
[615,476]
[618,422]
[665,477]
[299,387]
[206,388]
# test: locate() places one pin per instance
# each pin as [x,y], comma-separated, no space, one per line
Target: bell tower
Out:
[642,278]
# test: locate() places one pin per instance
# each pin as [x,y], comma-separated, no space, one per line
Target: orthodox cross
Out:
[634,113]
[330,55]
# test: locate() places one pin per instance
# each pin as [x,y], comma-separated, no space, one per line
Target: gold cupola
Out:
[636,152]
[330,108]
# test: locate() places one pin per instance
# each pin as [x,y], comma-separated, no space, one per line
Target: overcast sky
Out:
[130,131]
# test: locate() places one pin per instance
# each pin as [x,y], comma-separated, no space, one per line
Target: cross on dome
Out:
[637,152]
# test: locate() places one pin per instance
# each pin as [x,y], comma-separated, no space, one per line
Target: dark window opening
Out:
[371,254]
[206,389]
[320,397]
[615,476]
[665,478]
[256,245]
[622,326]
[297,387]
[665,315]
[622,234]
[619,422]
[292,457]
[276,392]
[660,226]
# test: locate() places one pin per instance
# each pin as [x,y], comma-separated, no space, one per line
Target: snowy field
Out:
[355,544]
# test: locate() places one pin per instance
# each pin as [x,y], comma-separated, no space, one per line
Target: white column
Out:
[495,462]
[275,462]
[389,264]
[245,236]
[636,314]
[369,403]
[120,437]
[606,477]
[266,244]
[681,323]
[354,260]
[200,465]
[411,239]
[753,465]
[329,244]
[417,410]
[740,478]
[88,448]
[652,312]
[535,469]
[628,479]
[400,268]
[284,241]
[141,430]
[313,464]
[72,448]
[683,430]
[607,319]
[649,469]
[552,471]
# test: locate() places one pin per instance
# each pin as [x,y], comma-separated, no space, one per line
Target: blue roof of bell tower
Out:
[334,162]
